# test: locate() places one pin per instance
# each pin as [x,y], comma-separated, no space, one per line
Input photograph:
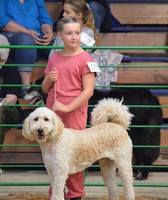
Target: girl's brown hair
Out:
[80,6]
[66,20]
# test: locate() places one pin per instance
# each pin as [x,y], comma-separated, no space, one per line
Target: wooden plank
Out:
[134,39]
[22,158]
[14,136]
[164,102]
[140,13]
[142,76]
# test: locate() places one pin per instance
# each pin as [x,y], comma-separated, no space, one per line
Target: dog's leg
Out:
[124,165]
[108,170]
[58,184]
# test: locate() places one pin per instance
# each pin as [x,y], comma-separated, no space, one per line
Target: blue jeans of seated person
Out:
[25,56]
[104,19]
[99,14]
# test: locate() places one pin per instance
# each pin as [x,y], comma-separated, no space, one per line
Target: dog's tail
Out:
[111,110]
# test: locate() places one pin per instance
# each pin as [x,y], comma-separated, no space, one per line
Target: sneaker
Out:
[33,96]
[24,91]
[30,94]
[1,171]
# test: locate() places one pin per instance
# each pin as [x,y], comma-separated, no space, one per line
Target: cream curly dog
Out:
[67,151]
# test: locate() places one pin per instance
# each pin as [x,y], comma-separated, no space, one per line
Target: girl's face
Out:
[69,12]
[71,35]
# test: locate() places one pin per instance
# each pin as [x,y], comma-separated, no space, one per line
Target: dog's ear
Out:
[59,126]
[26,130]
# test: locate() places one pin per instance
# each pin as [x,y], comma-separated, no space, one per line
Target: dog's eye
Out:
[46,119]
[36,119]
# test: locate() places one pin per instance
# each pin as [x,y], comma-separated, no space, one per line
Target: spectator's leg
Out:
[9,115]
[98,13]
[44,53]
[22,56]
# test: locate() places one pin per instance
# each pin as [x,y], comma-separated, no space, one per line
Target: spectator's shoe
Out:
[33,96]
[24,91]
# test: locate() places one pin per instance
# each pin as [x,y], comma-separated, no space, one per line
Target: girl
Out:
[69,82]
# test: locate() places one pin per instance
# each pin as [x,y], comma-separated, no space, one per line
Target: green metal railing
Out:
[41,166]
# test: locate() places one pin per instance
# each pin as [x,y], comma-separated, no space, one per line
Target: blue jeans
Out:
[99,14]
[104,19]
[25,56]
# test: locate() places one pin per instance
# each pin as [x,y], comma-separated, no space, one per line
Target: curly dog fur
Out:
[142,116]
[67,151]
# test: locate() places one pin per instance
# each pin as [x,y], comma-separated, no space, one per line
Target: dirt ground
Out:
[26,196]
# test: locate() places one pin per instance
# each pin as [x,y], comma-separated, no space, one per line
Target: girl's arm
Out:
[49,80]
[88,89]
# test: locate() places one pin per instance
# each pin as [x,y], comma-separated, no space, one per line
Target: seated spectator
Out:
[9,75]
[104,19]
[26,23]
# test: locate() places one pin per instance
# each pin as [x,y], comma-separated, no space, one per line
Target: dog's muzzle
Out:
[40,132]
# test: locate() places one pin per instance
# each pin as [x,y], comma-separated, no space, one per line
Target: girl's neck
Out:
[71,52]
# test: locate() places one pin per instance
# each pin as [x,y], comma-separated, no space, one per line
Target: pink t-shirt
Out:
[70,69]
[70,72]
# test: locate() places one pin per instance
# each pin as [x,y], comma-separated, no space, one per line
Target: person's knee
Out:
[96,7]
[25,39]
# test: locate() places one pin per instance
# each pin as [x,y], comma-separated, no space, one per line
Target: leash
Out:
[55,96]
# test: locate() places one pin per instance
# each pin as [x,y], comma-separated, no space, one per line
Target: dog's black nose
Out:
[40,130]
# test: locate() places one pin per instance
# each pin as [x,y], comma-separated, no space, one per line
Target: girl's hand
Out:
[53,75]
[61,107]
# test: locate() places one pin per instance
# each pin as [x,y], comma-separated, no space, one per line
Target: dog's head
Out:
[42,125]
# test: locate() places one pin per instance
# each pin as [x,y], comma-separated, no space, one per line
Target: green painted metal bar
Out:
[134,66]
[86,184]
[21,165]
[23,105]
[37,145]
[138,166]
[91,106]
[93,166]
[135,185]
[101,66]
[134,86]
[110,86]
[26,65]
[131,126]
[93,47]
[19,145]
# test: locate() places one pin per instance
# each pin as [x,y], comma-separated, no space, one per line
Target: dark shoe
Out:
[76,198]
